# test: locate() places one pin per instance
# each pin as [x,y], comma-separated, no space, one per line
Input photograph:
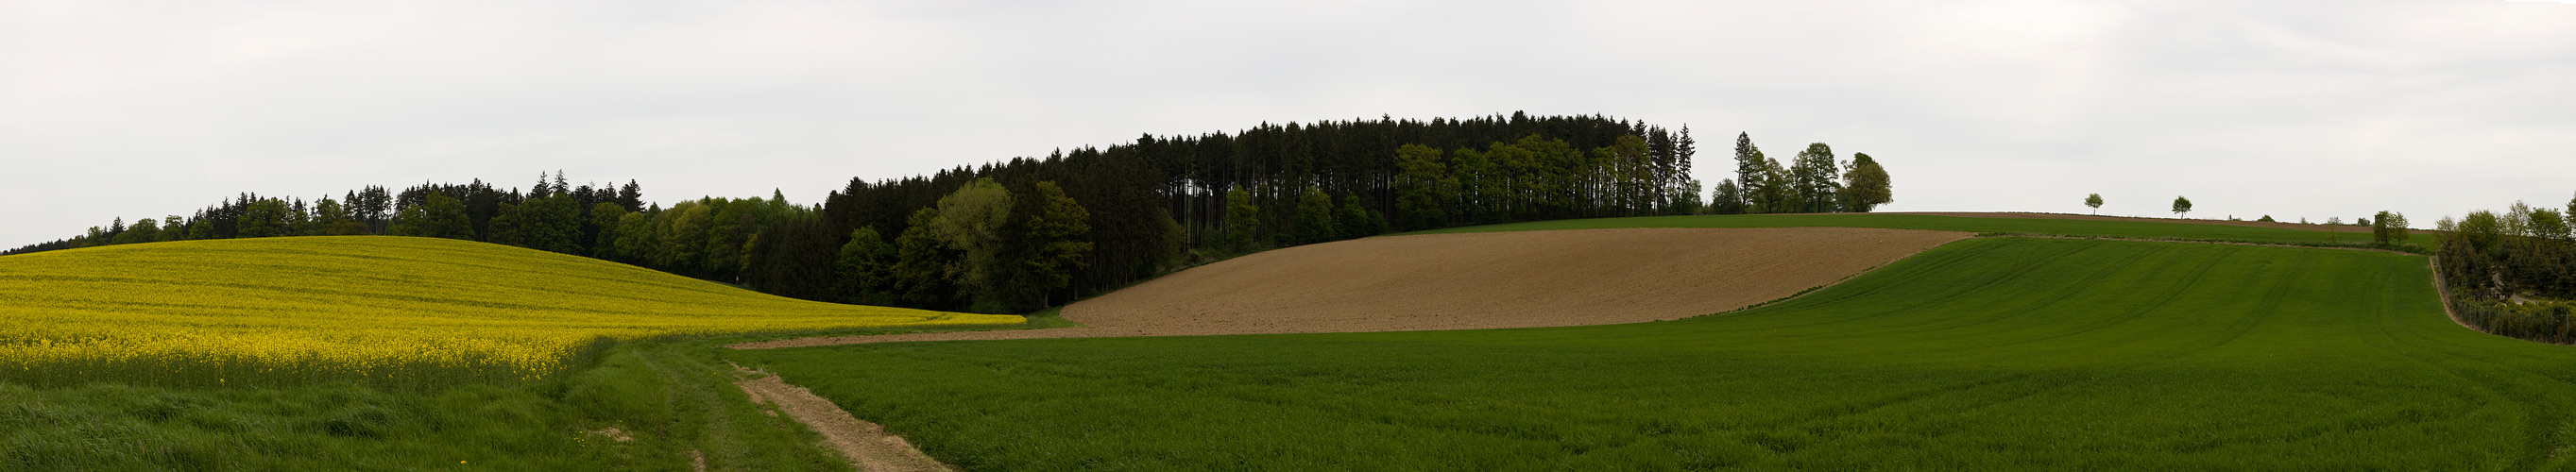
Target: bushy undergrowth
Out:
[2547,321]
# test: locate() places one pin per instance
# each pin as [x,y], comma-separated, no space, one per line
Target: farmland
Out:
[404,313]
[1474,281]
[2014,353]
[2131,229]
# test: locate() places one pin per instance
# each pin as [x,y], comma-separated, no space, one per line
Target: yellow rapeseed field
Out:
[396,311]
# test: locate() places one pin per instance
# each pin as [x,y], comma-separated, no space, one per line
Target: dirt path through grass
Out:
[1520,279]
[867,445]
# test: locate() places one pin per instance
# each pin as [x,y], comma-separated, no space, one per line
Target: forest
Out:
[1025,233]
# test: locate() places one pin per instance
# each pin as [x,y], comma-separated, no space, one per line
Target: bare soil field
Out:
[1474,281]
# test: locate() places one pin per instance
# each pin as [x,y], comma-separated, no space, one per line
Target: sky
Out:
[2308,109]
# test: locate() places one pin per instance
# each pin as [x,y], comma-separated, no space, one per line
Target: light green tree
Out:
[263,219]
[2095,201]
[2389,227]
[1812,179]
[1865,185]
[1242,220]
[1425,189]
[970,221]
[1357,220]
[603,225]
[144,230]
[1314,217]
[1728,199]
[684,235]
[173,228]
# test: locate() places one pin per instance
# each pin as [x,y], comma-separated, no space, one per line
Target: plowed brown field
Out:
[1475,281]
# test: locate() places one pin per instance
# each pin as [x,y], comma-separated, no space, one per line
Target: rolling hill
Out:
[379,309]
[1988,353]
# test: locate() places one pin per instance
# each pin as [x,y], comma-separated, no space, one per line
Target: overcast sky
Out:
[2292,109]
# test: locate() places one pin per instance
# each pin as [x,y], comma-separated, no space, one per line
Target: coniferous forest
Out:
[1027,233]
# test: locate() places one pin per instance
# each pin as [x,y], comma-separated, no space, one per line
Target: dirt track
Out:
[1474,281]
[866,445]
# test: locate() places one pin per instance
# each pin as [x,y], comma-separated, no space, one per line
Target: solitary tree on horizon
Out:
[2095,201]
[2181,207]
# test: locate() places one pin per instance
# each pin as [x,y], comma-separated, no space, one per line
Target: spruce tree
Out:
[631,196]
[1749,167]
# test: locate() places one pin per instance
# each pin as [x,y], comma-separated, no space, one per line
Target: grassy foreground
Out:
[657,406]
[397,312]
[1997,353]
[2177,229]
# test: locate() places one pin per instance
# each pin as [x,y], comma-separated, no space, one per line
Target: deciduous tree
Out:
[970,221]
[1865,185]
[2095,201]
[2390,228]
[1058,237]
[1314,217]
[1811,177]
[1425,189]
[2181,206]
[866,269]
[1728,199]
[922,262]
[1242,220]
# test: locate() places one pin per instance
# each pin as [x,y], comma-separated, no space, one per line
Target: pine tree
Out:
[1683,149]
[1749,167]
[631,196]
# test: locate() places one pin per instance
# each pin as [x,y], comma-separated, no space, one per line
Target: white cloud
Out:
[2286,108]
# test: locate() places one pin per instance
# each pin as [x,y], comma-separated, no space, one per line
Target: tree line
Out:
[1026,233]
[1813,182]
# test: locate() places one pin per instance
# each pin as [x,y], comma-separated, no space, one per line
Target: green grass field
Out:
[2033,226]
[1993,353]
